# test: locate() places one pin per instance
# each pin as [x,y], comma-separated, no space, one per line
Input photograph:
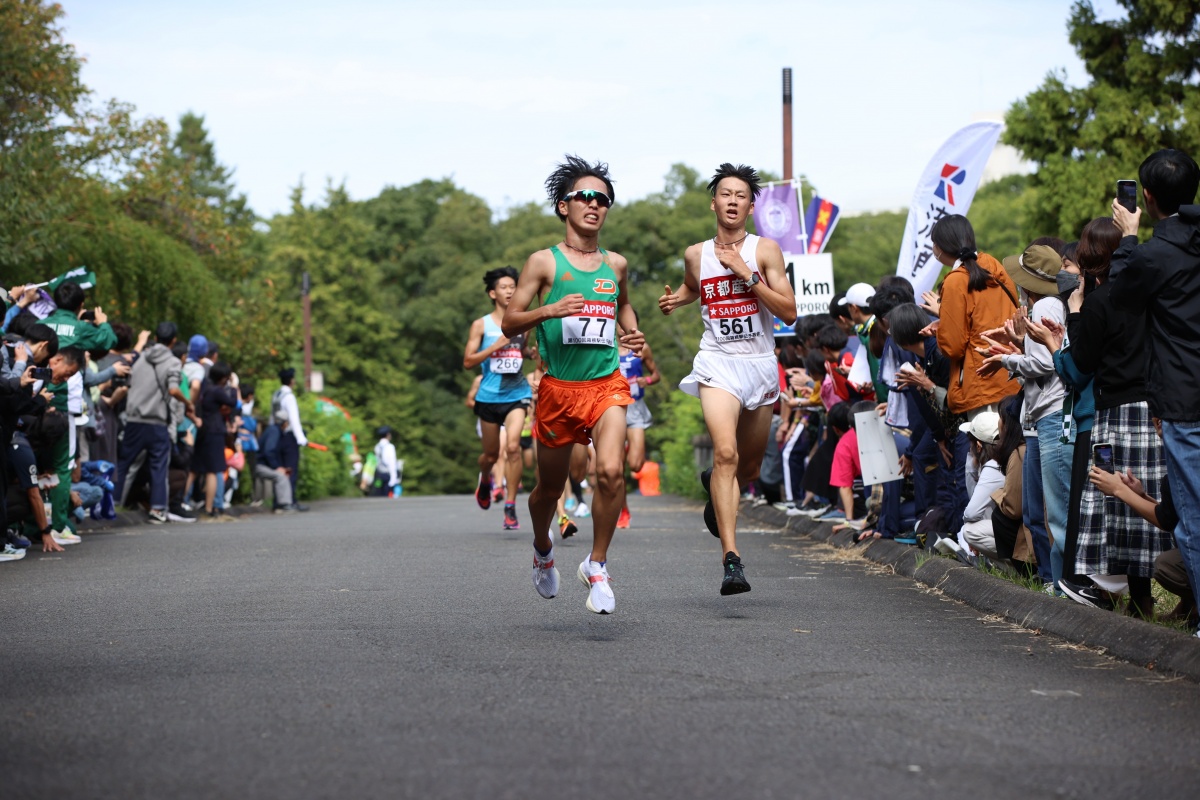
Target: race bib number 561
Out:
[595,324]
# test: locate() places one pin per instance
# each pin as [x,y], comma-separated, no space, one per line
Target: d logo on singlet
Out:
[604,286]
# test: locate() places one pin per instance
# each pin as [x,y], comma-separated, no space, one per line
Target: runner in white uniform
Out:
[740,281]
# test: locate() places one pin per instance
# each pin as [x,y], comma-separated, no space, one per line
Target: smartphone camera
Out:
[42,373]
[1102,457]
[1127,195]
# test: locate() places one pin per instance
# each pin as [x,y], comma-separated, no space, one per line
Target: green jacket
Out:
[73,332]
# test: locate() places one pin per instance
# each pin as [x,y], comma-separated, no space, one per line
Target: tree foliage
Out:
[1141,96]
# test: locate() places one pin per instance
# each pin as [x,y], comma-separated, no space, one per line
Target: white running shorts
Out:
[754,380]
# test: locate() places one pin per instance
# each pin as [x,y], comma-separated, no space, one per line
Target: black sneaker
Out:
[734,581]
[483,491]
[1087,595]
[157,516]
[710,513]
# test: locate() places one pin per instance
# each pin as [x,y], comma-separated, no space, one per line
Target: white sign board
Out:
[812,281]
[876,449]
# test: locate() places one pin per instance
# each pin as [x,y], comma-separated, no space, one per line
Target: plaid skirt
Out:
[1113,540]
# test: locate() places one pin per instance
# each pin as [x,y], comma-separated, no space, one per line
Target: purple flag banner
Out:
[777,217]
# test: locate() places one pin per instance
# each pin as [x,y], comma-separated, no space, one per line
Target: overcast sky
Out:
[491,94]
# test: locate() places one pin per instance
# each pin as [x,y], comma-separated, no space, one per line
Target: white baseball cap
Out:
[859,294]
[985,427]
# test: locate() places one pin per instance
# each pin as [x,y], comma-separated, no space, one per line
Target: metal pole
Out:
[305,285]
[787,123]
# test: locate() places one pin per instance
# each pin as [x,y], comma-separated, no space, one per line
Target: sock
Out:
[577,490]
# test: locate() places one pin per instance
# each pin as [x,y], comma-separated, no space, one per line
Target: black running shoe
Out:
[734,581]
[483,491]
[710,513]
[1087,595]
[710,519]
[566,528]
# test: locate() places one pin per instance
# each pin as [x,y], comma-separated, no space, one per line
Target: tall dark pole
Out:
[307,300]
[787,123]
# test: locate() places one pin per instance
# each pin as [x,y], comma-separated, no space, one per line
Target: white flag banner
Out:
[946,187]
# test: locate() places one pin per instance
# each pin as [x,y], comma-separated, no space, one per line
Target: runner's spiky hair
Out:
[493,276]
[563,179]
[742,172]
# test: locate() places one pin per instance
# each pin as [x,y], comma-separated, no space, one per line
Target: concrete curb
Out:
[1151,646]
[128,519]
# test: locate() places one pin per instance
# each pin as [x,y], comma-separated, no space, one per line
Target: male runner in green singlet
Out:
[583,301]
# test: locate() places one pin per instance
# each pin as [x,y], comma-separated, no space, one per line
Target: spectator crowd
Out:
[93,417]
[1045,406]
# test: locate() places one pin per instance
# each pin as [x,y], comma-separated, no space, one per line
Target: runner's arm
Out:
[472,355]
[689,291]
[775,290]
[650,372]
[631,337]
[537,275]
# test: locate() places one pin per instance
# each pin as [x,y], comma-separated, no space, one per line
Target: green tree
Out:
[1142,96]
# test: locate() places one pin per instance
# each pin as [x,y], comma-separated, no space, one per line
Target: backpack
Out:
[278,415]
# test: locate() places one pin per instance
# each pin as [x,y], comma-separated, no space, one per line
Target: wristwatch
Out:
[754,279]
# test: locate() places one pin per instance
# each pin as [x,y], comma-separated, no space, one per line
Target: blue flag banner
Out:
[819,220]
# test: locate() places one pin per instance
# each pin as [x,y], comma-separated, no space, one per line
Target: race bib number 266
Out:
[595,324]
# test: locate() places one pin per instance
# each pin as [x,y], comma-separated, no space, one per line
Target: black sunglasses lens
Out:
[588,195]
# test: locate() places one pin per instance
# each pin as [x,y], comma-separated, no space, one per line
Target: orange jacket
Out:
[965,315]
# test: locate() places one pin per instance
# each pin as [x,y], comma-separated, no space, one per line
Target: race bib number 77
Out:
[595,324]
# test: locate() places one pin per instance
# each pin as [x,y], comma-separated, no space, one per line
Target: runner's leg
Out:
[608,496]
[753,430]
[491,446]
[721,413]
[635,455]
[512,452]
[552,466]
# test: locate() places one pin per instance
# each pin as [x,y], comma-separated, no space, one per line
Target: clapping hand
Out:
[932,302]
[998,348]
[991,365]
[1047,333]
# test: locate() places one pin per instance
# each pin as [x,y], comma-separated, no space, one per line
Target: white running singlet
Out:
[736,322]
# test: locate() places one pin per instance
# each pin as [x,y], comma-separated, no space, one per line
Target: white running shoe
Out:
[545,575]
[65,537]
[10,553]
[582,510]
[600,596]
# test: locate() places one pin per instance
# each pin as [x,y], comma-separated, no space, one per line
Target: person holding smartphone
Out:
[1110,345]
[1161,279]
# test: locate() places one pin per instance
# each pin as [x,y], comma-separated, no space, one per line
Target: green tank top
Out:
[581,347]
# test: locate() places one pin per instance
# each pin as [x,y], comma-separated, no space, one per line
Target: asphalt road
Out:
[396,648]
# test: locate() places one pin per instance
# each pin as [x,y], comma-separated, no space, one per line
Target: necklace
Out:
[725,244]
[577,250]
